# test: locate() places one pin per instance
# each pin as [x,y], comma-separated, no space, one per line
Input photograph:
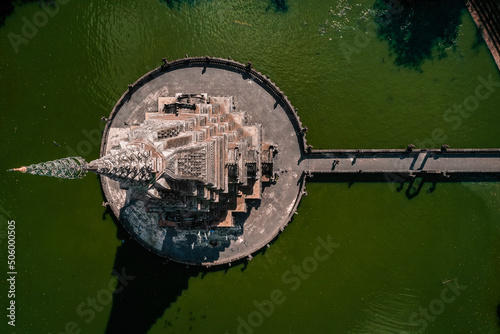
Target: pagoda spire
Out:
[66,168]
[128,166]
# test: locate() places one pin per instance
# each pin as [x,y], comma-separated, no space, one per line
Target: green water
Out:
[392,253]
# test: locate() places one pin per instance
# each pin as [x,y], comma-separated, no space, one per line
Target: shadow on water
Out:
[277,5]
[7,7]
[177,3]
[418,29]
[147,285]
[498,314]
[478,41]
[412,186]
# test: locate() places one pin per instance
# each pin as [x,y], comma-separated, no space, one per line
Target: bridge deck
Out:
[413,163]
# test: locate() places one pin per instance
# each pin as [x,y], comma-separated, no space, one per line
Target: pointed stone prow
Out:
[65,168]
[20,169]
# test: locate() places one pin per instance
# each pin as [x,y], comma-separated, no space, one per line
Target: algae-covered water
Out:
[358,258]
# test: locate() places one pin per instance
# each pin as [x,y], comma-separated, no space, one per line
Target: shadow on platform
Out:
[176,242]
[418,30]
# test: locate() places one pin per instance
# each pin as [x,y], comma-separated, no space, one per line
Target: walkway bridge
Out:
[396,165]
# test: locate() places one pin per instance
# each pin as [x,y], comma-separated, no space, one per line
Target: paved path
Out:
[414,163]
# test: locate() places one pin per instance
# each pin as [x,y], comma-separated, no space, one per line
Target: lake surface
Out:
[396,263]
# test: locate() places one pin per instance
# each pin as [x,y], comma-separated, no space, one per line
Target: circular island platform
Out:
[265,106]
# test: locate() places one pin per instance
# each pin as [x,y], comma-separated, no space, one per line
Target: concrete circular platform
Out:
[265,104]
